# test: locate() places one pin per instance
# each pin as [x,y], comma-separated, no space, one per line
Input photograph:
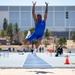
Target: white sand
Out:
[56,71]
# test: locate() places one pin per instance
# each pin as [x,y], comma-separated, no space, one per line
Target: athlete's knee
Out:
[38,44]
[39,41]
[26,42]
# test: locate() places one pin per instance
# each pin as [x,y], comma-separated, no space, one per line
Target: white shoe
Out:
[34,52]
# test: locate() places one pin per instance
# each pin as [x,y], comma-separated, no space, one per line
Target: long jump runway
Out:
[35,62]
[41,60]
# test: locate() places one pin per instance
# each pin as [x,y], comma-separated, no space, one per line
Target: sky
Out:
[39,2]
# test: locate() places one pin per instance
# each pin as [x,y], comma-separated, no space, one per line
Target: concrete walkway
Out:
[42,60]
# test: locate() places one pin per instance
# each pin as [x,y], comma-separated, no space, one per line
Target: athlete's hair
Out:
[38,15]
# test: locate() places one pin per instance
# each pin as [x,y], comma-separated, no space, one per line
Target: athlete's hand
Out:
[46,3]
[34,3]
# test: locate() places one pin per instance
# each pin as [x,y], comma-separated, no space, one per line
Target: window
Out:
[14,17]
[26,19]
[59,19]
[49,21]
[25,8]
[14,8]
[3,8]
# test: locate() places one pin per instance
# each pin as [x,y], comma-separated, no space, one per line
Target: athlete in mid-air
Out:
[39,26]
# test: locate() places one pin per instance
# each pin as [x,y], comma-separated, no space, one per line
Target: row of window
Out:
[38,8]
[59,19]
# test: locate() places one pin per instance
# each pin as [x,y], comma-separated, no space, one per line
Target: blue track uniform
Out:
[38,32]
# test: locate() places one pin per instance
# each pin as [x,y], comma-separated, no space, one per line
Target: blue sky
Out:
[39,2]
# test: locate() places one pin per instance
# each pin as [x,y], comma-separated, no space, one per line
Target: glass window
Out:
[70,8]
[72,15]
[49,21]
[14,17]
[59,8]
[72,22]
[25,19]
[3,8]
[25,8]
[14,8]
[50,8]
[59,19]
[38,8]
[71,19]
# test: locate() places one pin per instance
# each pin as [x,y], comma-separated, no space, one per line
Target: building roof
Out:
[39,2]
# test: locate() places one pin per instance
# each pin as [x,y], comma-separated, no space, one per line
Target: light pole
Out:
[69,31]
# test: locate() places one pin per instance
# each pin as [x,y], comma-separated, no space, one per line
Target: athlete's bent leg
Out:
[37,45]
[39,42]
[26,42]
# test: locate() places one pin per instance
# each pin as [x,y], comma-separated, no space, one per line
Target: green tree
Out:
[16,33]
[9,32]
[2,33]
[5,24]
[73,36]
[47,35]
[62,41]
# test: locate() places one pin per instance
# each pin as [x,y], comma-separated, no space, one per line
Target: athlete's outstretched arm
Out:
[33,11]
[46,12]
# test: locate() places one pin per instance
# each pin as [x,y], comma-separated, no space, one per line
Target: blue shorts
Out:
[33,36]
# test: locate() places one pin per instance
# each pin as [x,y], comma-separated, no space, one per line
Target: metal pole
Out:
[69,34]
[69,30]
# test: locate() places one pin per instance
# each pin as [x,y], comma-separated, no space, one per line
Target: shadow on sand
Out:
[41,72]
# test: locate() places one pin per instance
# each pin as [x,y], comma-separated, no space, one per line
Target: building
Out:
[3,41]
[61,17]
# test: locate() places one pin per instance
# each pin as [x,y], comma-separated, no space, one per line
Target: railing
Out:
[71,50]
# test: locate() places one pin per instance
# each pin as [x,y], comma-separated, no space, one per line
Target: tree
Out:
[9,32]
[73,36]
[2,33]
[5,24]
[62,41]
[16,33]
[47,35]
